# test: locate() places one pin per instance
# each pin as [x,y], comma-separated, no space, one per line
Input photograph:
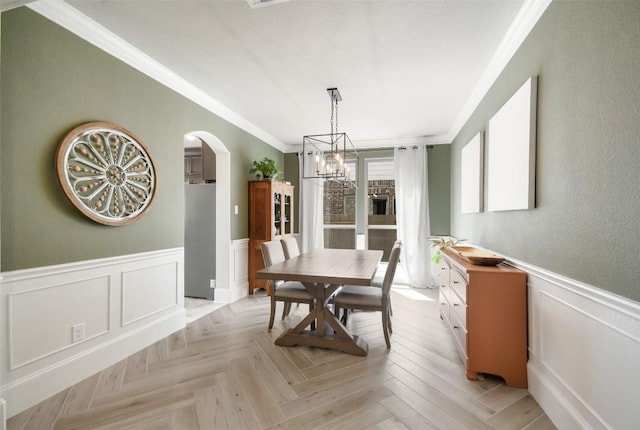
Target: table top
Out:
[333,266]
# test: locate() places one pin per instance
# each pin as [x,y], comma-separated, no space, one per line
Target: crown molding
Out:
[525,20]
[6,5]
[82,26]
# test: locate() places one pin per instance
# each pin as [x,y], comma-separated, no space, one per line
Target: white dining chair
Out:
[371,298]
[284,291]
[290,247]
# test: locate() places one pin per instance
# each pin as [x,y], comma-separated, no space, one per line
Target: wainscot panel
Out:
[67,322]
[240,269]
[584,345]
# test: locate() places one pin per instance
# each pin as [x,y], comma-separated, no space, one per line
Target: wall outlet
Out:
[77,332]
[212,283]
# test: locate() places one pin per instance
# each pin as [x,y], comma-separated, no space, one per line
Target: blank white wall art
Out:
[511,152]
[471,176]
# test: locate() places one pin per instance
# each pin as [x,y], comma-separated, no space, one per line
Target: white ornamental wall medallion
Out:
[106,172]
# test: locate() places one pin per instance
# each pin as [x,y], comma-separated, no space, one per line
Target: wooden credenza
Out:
[271,214]
[485,308]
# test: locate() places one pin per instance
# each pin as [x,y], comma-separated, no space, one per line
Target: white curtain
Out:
[412,214]
[311,198]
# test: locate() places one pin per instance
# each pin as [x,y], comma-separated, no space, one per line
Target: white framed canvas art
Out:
[511,152]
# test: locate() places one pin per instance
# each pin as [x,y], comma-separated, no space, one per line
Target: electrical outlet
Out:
[212,283]
[77,332]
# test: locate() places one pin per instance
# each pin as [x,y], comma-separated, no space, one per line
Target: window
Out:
[381,201]
[340,213]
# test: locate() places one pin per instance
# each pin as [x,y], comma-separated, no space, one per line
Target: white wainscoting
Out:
[584,353]
[239,269]
[3,420]
[125,303]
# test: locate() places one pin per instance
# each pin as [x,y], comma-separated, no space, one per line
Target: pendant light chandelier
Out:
[325,155]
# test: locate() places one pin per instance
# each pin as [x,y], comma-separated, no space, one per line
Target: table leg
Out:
[340,340]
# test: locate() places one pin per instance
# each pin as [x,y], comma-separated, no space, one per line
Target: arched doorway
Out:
[222,204]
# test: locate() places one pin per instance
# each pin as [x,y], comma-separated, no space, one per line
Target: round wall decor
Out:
[106,172]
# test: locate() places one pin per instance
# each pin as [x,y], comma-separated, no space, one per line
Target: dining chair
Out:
[371,298]
[290,247]
[379,277]
[284,291]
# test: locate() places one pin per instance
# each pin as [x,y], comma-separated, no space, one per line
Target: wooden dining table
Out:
[322,272]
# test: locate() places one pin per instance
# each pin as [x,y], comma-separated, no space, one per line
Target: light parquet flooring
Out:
[223,371]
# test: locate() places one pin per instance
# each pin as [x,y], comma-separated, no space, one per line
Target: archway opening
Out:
[220,240]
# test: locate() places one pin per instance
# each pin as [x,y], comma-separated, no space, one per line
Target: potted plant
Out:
[442,242]
[264,169]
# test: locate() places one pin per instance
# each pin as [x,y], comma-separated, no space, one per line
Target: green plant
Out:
[264,169]
[442,242]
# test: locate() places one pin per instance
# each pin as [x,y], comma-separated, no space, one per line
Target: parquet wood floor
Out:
[223,371]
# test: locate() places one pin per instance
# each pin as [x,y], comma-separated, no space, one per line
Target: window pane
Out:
[381,193]
[339,203]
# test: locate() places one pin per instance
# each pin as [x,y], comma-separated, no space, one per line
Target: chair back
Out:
[272,252]
[391,267]
[290,246]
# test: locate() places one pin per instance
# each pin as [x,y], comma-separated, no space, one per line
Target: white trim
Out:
[382,227]
[57,362]
[84,27]
[239,268]
[47,271]
[339,226]
[13,363]
[527,17]
[3,415]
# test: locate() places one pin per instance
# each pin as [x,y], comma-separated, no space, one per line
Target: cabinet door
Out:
[277,213]
[286,214]
[260,213]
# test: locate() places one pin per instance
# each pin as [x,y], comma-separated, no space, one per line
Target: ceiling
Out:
[408,71]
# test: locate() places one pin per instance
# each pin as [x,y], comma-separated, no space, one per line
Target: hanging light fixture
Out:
[330,156]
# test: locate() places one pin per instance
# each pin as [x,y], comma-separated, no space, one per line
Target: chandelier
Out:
[330,156]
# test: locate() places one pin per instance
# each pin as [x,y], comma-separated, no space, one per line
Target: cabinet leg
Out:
[472,376]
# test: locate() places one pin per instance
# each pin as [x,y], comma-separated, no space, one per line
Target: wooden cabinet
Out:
[270,217]
[485,308]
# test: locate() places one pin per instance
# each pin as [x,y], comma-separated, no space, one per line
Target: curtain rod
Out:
[402,148]
[383,149]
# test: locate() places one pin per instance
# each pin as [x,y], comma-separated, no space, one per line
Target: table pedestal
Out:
[340,339]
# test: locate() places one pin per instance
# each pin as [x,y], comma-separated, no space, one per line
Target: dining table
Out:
[323,272]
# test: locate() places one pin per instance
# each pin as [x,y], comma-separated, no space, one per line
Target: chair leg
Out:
[389,314]
[272,312]
[345,315]
[385,328]
[286,309]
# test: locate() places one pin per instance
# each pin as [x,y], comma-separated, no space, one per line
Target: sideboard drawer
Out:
[459,284]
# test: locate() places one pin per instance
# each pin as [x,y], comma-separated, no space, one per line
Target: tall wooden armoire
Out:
[270,218]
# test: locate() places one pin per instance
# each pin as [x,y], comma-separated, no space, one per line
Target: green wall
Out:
[53,81]
[587,59]
[439,177]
